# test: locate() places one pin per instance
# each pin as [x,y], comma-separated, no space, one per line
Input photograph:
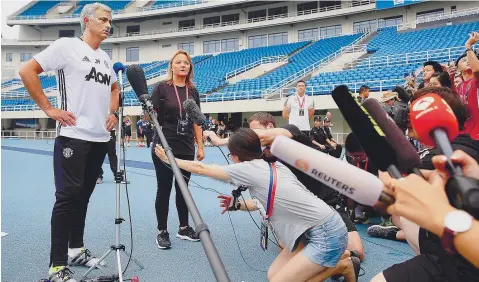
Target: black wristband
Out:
[115,113]
[469,49]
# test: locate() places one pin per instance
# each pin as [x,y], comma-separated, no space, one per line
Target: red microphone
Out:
[435,123]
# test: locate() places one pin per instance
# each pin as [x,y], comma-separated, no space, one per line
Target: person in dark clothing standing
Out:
[147,130]
[87,112]
[317,135]
[112,158]
[245,123]
[180,134]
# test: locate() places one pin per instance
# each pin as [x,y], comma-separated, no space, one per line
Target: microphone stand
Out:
[119,178]
[201,228]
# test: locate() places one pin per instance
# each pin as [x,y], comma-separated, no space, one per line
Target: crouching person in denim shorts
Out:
[293,213]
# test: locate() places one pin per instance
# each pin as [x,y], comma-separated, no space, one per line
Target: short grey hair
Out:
[89,11]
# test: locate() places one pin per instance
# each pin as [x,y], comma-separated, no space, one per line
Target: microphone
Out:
[355,183]
[369,134]
[435,123]
[118,67]
[137,79]
[403,95]
[193,112]
[407,157]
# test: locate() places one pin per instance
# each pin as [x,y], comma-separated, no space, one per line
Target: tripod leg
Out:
[134,260]
[120,274]
[94,266]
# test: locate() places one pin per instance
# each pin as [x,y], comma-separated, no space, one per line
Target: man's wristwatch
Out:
[455,222]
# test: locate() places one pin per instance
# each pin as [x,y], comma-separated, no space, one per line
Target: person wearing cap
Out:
[387,100]
[317,135]
[299,108]
[333,147]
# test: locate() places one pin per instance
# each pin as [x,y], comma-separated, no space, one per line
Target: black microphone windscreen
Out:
[407,156]
[403,95]
[368,133]
[137,79]
[193,111]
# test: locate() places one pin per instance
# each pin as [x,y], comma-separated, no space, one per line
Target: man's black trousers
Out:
[112,158]
[76,167]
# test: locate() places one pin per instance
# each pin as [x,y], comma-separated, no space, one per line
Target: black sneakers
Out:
[187,234]
[163,240]
[62,275]
[163,237]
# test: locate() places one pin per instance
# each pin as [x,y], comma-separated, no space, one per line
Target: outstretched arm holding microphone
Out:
[425,202]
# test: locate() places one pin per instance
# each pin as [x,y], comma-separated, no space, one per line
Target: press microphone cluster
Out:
[353,182]
[436,125]
[370,135]
[407,157]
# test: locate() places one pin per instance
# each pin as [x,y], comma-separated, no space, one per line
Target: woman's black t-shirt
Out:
[180,144]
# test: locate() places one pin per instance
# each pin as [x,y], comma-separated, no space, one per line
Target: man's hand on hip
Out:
[111,122]
[63,117]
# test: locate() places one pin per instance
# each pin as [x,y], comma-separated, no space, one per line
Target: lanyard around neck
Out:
[273,181]
[301,105]
[178,97]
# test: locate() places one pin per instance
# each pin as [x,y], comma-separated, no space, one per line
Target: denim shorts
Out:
[326,243]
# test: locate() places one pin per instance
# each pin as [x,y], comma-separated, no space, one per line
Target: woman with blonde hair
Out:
[167,98]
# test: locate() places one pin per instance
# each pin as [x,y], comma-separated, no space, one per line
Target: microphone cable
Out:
[129,208]
[197,185]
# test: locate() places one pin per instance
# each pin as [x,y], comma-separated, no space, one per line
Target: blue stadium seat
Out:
[306,57]
[211,74]
[40,8]
[162,4]
[114,5]
[389,41]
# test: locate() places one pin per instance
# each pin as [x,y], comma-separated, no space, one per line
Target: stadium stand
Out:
[314,53]
[10,82]
[162,4]
[40,8]
[114,5]
[46,81]
[388,63]
[211,74]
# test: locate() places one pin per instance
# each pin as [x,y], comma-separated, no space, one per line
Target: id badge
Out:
[301,112]
[264,235]
[182,128]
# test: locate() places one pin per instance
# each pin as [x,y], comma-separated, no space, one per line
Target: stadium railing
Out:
[52,134]
[447,16]
[449,54]
[115,12]
[311,68]
[29,134]
[248,21]
[326,89]
[18,108]
[264,60]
